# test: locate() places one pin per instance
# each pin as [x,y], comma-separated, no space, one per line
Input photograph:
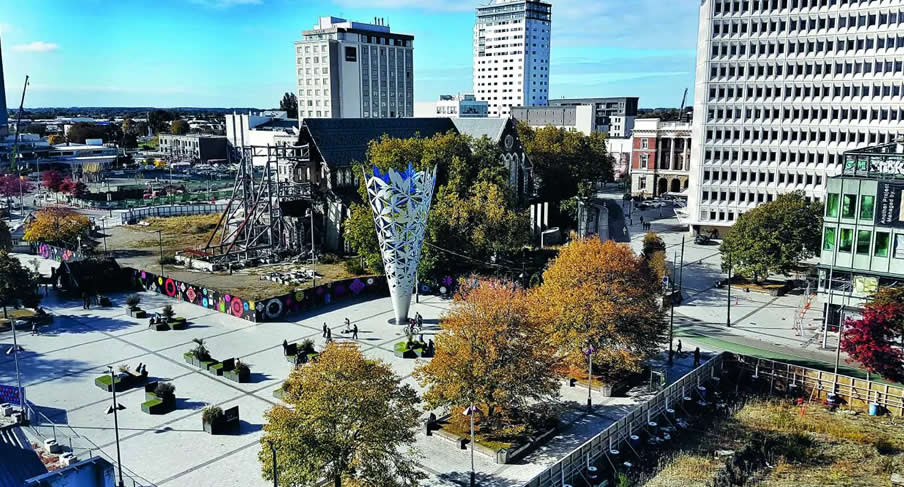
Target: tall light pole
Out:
[590,350]
[728,303]
[114,409]
[310,213]
[16,360]
[160,239]
[275,473]
[470,412]
[681,269]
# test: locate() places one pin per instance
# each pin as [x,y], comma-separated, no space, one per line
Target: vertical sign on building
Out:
[891,211]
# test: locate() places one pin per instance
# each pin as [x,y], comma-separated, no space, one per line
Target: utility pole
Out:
[16,360]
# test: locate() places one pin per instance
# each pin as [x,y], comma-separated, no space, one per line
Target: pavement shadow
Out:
[185,403]
[482,479]
[36,368]
[257,377]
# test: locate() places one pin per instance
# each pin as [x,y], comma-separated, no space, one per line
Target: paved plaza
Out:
[59,367]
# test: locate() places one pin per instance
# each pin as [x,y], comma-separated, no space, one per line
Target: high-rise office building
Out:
[783,89]
[511,54]
[354,70]
[4,116]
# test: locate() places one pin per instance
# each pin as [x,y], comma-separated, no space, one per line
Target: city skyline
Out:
[226,53]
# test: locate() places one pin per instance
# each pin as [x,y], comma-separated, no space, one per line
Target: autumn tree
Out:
[350,419]
[601,294]
[652,243]
[56,226]
[774,237]
[56,139]
[179,127]
[654,253]
[17,284]
[490,354]
[52,180]
[874,340]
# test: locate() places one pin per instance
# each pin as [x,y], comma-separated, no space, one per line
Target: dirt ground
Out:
[138,246]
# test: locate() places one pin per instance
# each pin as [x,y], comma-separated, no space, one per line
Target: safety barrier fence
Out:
[135,214]
[816,384]
[41,427]
[567,469]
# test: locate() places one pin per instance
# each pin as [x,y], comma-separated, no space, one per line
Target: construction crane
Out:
[12,162]
[681,110]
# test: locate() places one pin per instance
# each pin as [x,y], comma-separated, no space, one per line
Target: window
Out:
[882,241]
[832,205]
[848,204]
[644,144]
[828,240]
[351,54]
[867,204]
[899,246]
[645,160]
[863,241]
[847,240]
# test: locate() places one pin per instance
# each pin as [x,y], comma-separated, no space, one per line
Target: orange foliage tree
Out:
[600,293]
[490,354]
[56,226]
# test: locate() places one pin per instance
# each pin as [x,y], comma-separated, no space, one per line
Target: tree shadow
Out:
[186,403]
[36,368]
[257,377]
[482,479]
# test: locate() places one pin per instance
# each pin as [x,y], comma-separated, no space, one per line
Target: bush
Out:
[200,351]
[133,300]
[168,312]
[354,266]
[306,346]
[212,414]
[329,258]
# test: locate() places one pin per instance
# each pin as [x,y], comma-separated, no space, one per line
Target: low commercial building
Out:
[863,234]
[614,116]
[578,118]
[193,148]
[463,106]
[660,161]
[261,129]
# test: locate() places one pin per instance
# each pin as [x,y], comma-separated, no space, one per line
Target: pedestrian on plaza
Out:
[355,331]
[86,303]
[679,348]
[697,357]
[329,335]
[325,329]
[642,224]
[348,326]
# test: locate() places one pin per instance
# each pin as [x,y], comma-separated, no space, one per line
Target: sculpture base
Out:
[392,321]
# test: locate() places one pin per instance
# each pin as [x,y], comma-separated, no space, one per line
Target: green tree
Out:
[159,120]
[17,284]
[6,239]
[652,243]
[774,237]
[565,163]
[179,127]
[289,104]
[350,419]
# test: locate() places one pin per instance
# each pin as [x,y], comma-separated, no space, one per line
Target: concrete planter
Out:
[501,456]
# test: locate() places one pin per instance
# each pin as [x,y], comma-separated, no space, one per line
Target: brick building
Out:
[660,159]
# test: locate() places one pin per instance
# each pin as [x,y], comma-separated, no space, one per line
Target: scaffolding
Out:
[258,225]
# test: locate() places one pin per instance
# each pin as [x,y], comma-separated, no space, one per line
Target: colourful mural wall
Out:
[58,254]
[265,309]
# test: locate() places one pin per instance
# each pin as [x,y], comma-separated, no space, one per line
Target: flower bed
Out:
[502,452]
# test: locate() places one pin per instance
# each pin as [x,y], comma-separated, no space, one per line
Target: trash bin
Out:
[875,409]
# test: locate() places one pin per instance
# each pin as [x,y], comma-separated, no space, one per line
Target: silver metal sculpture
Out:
[400,202]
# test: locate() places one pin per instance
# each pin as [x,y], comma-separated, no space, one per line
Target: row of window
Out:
[822,21]
[805,49]
[727,7]
[716,197]
[846,205]
[730,176]
[725,93]
[880,247]
[758,137]
[725,71]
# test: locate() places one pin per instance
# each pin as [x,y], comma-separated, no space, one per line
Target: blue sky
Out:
[235,53]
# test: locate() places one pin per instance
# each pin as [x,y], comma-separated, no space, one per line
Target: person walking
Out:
[325,329]
[355,331]
[678,348]
[642,224]
[329,335]
[697,357]
[86,301]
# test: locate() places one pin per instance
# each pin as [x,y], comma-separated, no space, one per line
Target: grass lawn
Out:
[107,380]
[816,448]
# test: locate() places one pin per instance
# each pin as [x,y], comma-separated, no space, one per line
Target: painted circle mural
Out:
[170,288]
[274,308]
[237,307]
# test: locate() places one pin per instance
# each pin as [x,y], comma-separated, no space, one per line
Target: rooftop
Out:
[879,161]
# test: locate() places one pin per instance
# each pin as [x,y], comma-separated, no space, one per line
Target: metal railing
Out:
[567,469]
[170,210]
[42,427]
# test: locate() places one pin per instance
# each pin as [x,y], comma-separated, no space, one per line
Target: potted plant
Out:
[241,373]
[132,304]
[168,313]
[198,354]
[211,419]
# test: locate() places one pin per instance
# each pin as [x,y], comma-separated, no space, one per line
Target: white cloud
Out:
[445,5]
[37,46]
[225,3]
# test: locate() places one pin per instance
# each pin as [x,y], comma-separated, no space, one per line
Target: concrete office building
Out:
[511,54]
[863,234]
[462,106]
[579,118]
[783,89]
[354,70]
[194,148]
[261,129]
[660,161]
[4,116]
[614,116]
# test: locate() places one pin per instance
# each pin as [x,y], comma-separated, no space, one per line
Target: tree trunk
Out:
[337,482]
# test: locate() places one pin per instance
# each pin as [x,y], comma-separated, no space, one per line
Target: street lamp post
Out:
[160,239]
[671,322]
[590,350]
[275,473]
[114,409]
[728,303]
[310,213]
[470,412]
